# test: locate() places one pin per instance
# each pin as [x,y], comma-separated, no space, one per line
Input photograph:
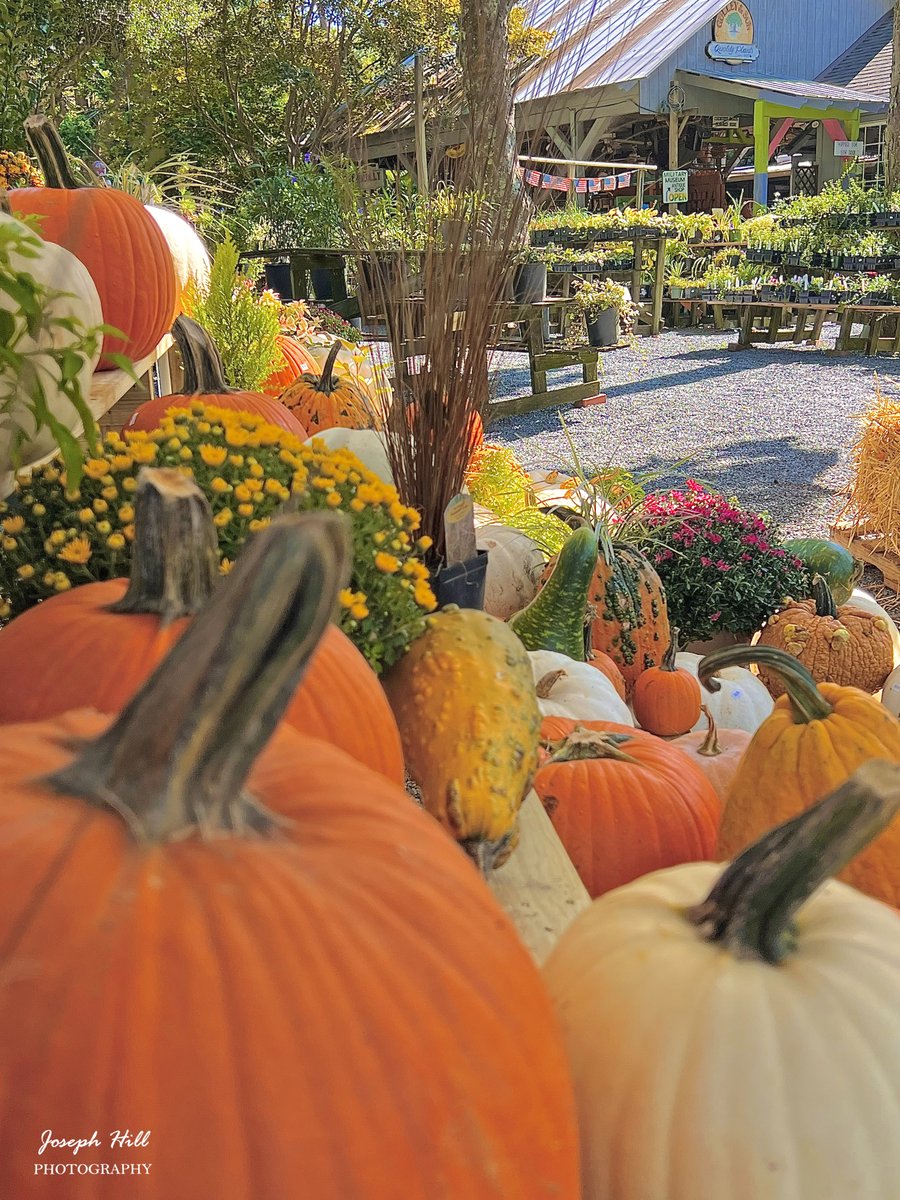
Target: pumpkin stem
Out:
[710,747]
[825,606]
[176,759]
[326,384]
[668,660]
[807,701]
[50,152]
[584,744]
[548,682]
[174,560]
[750,909]
[204,371]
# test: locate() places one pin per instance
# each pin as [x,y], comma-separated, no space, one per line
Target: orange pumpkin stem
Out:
[326,384]
[176,759]
[50,152]
[751,908]
[175,558]
[710,747]
[584,744]
[807,702]
[204,371]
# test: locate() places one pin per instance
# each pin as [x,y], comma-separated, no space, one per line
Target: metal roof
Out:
[803,89]
[868,63]
[608,41]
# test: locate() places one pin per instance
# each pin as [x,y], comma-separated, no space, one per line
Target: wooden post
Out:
[673,149]
[421,148]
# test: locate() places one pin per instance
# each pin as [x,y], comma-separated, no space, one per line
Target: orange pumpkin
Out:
[118,241]
[176,880]
[295,362]
[204,379]
[623,801]
[94,646]
[328,401]
[667,698]
[605,665]
[717,752]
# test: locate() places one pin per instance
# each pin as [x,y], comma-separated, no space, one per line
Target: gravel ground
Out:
[773,426]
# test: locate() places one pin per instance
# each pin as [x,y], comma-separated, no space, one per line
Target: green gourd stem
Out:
[326,384]
[751,908]
[177,758]
[668,659]
[710,747]
[807,702]
[825,606]
[50,152]
[555,618]
[204,371]
[586,745]
[174,559]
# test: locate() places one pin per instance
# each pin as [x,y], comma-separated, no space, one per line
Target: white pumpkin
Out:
[189,254]
[366,444]
[515,563]
[743,702]
[574,690]
[890,693]
[55,268]
[730,1043]
[866,601]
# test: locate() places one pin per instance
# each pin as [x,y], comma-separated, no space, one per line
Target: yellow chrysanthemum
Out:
[424,597]
[236,460]
[185,453]
[121,462]
[242,493]
[387,563]
[144,452]
[25,572]
[222,517]
[213,456]
[260,523]
[62,583]
[333,499]
[9,543]
[273,487]
[126,513]
[235,436]
[356,505]
[220,485]
[76,551]
[13,525]
[86,516]
[129,484]
[100,506]
[116,541]
[359,612]
[225,566]
[39,510]
[57,537]
[424,543]
[104,527]
[128,530]
[110,493]
[346,598]
[256,471]
[245,510]
[96,468]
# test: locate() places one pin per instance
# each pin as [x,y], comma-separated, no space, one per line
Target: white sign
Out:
[370,178]
[849,149]
[732,52]
[726,122]
[675,187]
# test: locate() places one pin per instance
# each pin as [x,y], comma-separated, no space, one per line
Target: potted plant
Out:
[723,567]
[530,277]
[603,303]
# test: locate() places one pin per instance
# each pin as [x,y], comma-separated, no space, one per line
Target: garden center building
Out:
[760,94]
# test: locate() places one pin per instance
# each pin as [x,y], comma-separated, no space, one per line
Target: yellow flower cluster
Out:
[16,170]
[53,538]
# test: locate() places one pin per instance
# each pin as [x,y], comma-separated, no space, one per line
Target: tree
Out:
[892,132]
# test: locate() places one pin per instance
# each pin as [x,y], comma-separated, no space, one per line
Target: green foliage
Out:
[242,322]
[78,134]
[39,351]
[497,482]
[296,209]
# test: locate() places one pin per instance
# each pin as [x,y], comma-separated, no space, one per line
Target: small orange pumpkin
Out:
[623,801]
[204,379]
[295,361]
[667,698]
[605,665]
[328,401]
[847,646]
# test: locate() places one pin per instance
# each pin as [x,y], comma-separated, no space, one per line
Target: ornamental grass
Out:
[53,539]
[874,504]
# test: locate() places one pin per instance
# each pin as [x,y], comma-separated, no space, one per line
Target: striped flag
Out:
[609,183]
[581,184]
[533,177]
[624,180]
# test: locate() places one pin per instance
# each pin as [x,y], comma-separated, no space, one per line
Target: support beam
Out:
[421,147]
[674,124]
[760,152]
[780,134]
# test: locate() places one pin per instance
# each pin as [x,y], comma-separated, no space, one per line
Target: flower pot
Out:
[462,583]
[676,292]
[322,284]
[530,283]
[279,281]
[719,642]
[604,329]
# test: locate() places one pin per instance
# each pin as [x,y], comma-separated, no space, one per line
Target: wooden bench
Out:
[880,330]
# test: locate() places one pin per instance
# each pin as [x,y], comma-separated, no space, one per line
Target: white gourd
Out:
[366,444]
[514,568]
[575,690]
[866,601]
[189,254]
[743,702]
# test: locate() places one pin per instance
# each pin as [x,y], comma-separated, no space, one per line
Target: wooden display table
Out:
[880,325]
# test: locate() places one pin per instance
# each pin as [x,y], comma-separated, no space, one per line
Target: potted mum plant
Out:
[723,567]
[605,306]
[530,277]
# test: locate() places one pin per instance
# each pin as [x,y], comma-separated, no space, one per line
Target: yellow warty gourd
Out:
[464,700]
